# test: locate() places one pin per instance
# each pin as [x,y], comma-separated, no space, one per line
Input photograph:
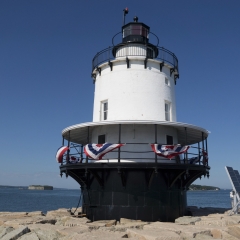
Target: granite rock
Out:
[16,233]
[5,230]
[29,236]
[187,220]
[153,235]
[63,225]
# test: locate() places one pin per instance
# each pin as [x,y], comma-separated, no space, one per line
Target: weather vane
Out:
[125,12]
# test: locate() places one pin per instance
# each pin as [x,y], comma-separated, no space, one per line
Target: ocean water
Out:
[217,199]
[24,200]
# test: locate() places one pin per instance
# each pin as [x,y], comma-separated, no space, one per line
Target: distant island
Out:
[195,187]
[40,187]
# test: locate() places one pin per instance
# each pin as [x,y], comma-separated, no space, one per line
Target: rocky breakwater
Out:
[205,223]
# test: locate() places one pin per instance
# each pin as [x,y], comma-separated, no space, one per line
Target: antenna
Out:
[125,12]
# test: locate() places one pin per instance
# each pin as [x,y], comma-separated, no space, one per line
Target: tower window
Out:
[167,81]
[167,111]
[169,140]
[101,139]
[104,110]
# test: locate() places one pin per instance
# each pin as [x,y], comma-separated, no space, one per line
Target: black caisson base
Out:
[139,191]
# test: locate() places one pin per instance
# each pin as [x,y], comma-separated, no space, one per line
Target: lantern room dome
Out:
[135,32]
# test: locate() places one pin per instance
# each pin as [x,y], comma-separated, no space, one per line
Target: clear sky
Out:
[46,51]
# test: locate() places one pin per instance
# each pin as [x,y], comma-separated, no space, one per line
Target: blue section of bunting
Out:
[92,148]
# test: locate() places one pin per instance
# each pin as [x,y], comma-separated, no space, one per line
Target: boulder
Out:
[234,231]
[216,233]
[5,230]
[15,234]
[71,222]
[59,213]
[226,235]
[102,223]
[46,226]
[185,231]
[124,227]
[6,216]
[29,236]
[126,220]
[13,214]
[15,223]
[98,235]
[58,229]
[153,235]
[47,234]
[110,223]
[62,220]
[187,220]
[216,222]
[68,231]
[36,213]
[45,220]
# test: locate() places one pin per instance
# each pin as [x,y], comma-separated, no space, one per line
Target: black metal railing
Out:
[195,155]
[106,55]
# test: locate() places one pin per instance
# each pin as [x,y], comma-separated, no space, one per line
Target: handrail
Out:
[114,37]
[156,37]
[186,159]
[106,55]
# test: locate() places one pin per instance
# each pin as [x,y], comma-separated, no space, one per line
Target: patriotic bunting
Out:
[97,151]
[205,157]
[168,151]
[60,152]
[74,159]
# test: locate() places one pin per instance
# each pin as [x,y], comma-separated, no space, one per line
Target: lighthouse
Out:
[134,160]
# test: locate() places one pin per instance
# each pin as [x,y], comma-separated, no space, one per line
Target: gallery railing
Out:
[106,55]
[195,155]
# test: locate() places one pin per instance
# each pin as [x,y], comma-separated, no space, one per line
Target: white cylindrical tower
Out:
[137,85]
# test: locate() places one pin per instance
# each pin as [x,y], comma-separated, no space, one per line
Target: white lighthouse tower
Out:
[134,106]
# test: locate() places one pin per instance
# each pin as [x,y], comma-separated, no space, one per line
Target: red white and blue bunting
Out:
[60,152]
[97,151]
[205,158]
[74,159]
[169,151]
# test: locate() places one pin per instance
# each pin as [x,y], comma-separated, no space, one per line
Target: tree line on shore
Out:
[202,187]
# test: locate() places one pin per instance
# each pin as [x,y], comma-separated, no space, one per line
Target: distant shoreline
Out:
[195,187]
[26,187]
[199,188]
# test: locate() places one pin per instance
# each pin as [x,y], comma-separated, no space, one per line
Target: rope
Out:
[80,198]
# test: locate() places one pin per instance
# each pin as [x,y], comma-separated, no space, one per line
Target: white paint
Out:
[132,50]
[134,93]
[132,135]
[79,131]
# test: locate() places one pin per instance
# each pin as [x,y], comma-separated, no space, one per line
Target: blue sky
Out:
[46,49]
